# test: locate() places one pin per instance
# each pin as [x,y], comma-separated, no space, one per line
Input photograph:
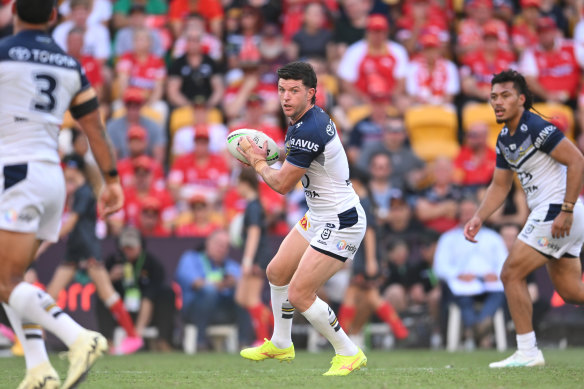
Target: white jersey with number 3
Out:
[37,84]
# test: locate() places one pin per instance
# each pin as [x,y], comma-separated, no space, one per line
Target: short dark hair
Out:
[35,11]
[519,84]
[249,177]
[299,71]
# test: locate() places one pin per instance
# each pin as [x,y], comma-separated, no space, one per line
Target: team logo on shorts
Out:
[343,245]
[543,241]
[326,233]
[304,223]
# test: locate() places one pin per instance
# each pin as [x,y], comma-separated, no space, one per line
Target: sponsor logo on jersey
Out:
[304,223]
[305,181]
[512,147]
[20,53]
[343,245]
[524,177]
[298,125]
[326,233]
[330,129]
[311,194]
[543,135]
[304,144]
[524,128]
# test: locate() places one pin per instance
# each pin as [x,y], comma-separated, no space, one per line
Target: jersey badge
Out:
[523,127]
[304,223]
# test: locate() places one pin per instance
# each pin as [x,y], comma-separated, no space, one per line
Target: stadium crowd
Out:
[406,82]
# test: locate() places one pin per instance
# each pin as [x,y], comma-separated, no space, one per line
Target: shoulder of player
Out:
[314,126]
[535,123]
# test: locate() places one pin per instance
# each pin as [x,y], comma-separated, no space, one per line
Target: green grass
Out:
[391,369]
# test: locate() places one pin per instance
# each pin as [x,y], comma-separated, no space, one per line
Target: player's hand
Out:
[562,225]
[111,199]
[251,151]
[472,228]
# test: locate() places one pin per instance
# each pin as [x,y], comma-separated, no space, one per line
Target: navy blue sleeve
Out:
[307,141]
[547,138]
[501,162]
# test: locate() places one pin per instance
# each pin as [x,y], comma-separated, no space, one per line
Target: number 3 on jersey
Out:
[45,100]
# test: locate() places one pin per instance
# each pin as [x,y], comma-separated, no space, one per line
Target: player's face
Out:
[294,97]
[506,101]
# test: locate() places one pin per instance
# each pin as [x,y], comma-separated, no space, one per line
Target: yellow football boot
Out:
[268,351]
[343,365]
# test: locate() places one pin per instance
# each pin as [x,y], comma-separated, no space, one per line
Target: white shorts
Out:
[32,198]
[338,237]
[538,234]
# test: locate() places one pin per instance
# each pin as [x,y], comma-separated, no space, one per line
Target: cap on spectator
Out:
[142,162]
[140,8]
[481,3]
[255,100]
[490,29]
[136,132]
[201,132]
[130,237]
[197,198]
[134,95]
[199,100]
[150,203]
[530,3]
[397,198]
[377,22]
[546,24]
[429,40]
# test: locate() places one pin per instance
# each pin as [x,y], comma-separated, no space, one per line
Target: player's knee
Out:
[298,298]
[509,276]
[274,275]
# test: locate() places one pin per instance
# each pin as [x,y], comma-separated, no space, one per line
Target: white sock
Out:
[527,344]
[34,305]
[322,317]
[283,313]
[30,336]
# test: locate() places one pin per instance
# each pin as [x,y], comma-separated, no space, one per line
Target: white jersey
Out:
[37,84]
[527,153]
[312,143]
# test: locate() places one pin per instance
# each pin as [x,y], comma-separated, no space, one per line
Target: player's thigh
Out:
[285,262]
[314,269]
[522,260]
[566,274]
[17,251]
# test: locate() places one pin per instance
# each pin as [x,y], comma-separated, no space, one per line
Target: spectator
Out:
[198,221]
[150,221]
[350,27]
[83,251]
[124,40]
[255,118]
[408,171]
[471,28]
[96,38]
[471,272]
[183,141]
[524,30]
[138,277]
[380,188]
[207,280]
[374,65]
[211,10]
[400,223]
[212,46]
[137,145]
[314,38]
[475,163]
[395,270]
[101,11]
[242,46]
[420,17]
[553,10]
[195,73]
[199,172]
[118,128]
[369,131]
[479,66]
[431,78]
[551,69]
[437,206]
[144,71]
[255,257]
[122,10]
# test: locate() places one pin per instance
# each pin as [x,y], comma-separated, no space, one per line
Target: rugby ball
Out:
[258,137]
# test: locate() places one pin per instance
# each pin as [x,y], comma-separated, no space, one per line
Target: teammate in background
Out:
[38,83]
[256,256]
[329,233]
[83,250]
[550,169]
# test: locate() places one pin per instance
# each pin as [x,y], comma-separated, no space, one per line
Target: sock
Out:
[346,316]
[118,310]
[527,344]
[34,305]
[260,322]
[30,337]
[322,317]
[283,314]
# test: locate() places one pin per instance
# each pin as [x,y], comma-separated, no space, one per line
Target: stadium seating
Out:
[433,131]
[226,332]
[482,113]
[184,116]
[453,333]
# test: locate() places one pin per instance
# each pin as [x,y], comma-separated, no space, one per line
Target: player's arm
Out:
[85,109]
[281,180]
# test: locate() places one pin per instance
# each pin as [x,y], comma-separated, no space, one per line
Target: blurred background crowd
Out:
[406,82]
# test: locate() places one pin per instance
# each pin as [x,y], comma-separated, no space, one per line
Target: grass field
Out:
[385,369]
